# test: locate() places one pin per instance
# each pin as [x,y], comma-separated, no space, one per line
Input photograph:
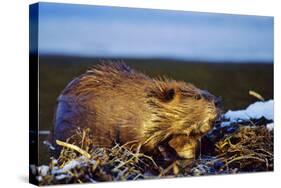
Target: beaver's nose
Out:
[218,102]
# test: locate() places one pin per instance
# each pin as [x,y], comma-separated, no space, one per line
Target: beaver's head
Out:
[180,110]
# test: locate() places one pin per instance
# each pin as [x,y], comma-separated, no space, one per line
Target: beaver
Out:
[122,105]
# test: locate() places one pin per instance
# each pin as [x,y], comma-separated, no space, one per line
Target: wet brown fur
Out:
[122,105]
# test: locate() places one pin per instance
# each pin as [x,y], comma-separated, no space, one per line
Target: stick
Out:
[255,94]
[73,147]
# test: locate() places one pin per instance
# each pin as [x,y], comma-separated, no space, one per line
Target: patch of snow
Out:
[72,164]
[61,176]
[54,161]
[43,170]
[270,126]
[39,178]
[51,147]
[254,111]
[225,124]
[93,162]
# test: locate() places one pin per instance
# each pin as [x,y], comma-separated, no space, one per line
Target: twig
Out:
[255,94]
[73,147]
[243,157]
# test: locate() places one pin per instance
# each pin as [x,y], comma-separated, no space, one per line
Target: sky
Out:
[100,31]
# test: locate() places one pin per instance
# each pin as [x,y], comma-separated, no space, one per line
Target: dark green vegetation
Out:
[232,81]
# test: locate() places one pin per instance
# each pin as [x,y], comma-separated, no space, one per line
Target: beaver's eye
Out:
[197,97]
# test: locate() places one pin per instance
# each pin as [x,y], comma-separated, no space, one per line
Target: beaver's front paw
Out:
[184,146]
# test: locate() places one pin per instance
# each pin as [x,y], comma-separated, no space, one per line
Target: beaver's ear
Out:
[169,94]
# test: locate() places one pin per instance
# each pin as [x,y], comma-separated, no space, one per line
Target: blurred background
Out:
[227,55]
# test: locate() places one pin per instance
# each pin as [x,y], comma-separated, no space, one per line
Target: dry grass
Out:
[249,148]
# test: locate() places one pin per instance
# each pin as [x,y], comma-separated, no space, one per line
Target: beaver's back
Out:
[109,99]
